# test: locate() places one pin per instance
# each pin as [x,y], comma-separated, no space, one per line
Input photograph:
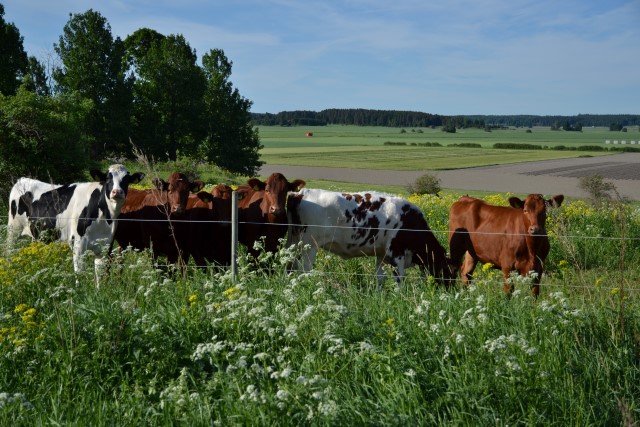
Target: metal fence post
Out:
[234,235]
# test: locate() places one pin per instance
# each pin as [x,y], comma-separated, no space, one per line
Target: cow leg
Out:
[507,287]
[380,275]
[459,245]
[99,268]
[308,258]
[525,269]
[468,266]
[79,248]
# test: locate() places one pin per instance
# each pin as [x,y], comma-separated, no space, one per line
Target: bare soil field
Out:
[547,177]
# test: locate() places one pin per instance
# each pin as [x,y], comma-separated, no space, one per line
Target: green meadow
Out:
[364,147]
[272,347]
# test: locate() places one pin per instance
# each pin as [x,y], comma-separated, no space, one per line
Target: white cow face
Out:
[116,181]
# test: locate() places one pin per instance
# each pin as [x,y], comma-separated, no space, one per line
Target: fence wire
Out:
[498,280]
[347,227]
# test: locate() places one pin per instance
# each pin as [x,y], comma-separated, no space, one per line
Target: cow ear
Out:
[297,185]
[256,184]
[160,184]
[196,185]
[98,175]
[137,177]
[241,194]
[516,203]
[205,196]
[555,201]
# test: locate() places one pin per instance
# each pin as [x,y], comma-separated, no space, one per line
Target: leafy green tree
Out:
[36,79]
[92,66]
[231,141]
[449,127]
[13,59]
[425,184]
[42,137]
[168,91]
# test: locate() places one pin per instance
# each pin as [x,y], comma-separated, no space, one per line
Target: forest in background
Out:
[392,118]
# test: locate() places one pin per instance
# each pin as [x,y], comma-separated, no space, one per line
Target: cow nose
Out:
[275,210]
[117,193]
[534,229]
[178,210]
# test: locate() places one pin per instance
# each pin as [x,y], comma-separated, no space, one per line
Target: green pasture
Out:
[364,147]
[328,348]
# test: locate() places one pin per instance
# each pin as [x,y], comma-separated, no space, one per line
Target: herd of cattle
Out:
[178,220]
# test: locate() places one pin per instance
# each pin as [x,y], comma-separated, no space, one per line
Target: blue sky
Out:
[543,57]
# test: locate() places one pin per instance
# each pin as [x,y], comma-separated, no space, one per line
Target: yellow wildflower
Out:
[231,292]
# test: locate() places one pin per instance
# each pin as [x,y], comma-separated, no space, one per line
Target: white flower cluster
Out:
[8,399]
[510,353]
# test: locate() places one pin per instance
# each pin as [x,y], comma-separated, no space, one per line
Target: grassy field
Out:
[328,348]
[363,147]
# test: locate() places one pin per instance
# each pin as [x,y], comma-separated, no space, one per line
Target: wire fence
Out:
[498,279]
[348,227]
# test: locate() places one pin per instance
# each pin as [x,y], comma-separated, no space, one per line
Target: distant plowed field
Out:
[560,176]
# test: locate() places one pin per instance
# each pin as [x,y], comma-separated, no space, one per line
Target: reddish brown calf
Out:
[510,238]
[262,210]
[145,218]
[206,232]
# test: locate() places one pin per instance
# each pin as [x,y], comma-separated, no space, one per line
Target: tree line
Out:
[358,117]
[364,117]
[104,97]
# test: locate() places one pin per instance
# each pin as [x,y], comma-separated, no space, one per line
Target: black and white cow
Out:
[84,213]
[368,224]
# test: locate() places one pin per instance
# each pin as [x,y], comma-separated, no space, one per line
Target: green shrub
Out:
[425,184]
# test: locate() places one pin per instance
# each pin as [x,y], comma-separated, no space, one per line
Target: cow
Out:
[205,233]
[367,224]
[510,238]
[146,218]
[262,211]
[84,213]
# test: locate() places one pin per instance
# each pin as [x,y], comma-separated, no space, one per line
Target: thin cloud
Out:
[455,57]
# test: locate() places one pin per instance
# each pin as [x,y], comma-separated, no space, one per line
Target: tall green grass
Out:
[325,348]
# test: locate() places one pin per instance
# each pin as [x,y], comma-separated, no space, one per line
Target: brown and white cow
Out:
[510,238]
[147,216]
[262,210]
[368,224]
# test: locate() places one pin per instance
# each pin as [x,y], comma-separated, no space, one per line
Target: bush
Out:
[425,184]
[466,145]
[597,188]
[43,138]
[514,146]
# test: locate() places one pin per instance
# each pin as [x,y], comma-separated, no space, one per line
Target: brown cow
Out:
[144,220]
[262,211]
[510,238]
[205,233]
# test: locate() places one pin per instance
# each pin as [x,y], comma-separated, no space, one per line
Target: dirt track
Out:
[548,177]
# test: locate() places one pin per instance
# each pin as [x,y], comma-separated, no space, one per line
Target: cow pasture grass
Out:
[364,147]
[327,348]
